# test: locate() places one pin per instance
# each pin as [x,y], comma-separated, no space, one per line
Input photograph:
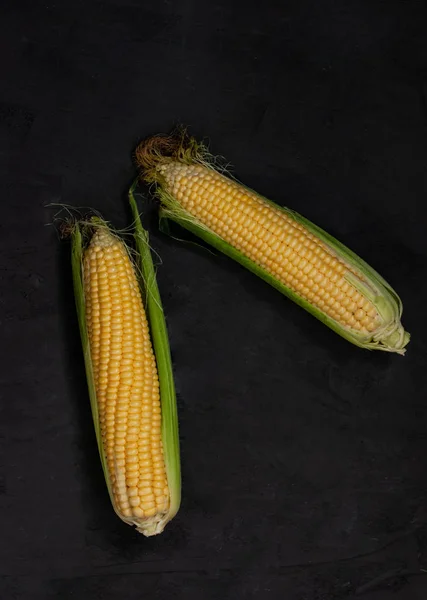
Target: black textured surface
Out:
[304,458]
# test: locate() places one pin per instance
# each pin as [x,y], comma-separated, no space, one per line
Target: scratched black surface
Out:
[303,458]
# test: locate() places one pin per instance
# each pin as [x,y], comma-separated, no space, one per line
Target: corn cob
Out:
[136,431]
[280,246]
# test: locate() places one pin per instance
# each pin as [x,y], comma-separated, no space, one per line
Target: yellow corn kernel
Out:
[267,247]
[284,248]
[126,381]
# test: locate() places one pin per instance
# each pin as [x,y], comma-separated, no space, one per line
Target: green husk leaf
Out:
[159,336]
[391,337]
[157,325]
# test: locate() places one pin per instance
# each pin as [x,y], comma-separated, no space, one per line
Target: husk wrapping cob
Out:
[285,249]
[129,372]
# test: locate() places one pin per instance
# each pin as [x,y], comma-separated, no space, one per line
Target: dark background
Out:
[304,458]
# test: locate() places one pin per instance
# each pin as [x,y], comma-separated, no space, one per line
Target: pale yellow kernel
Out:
[121,411]
[366,305]
[162,506]
[352,307]
[365,321]
[119,461]
[132,492]
[158,490]
[131,467]
[121,421]
[158,485]
[123,498]
[360,301]
[132,481]
[133,426]
[359,314]
[352,321]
